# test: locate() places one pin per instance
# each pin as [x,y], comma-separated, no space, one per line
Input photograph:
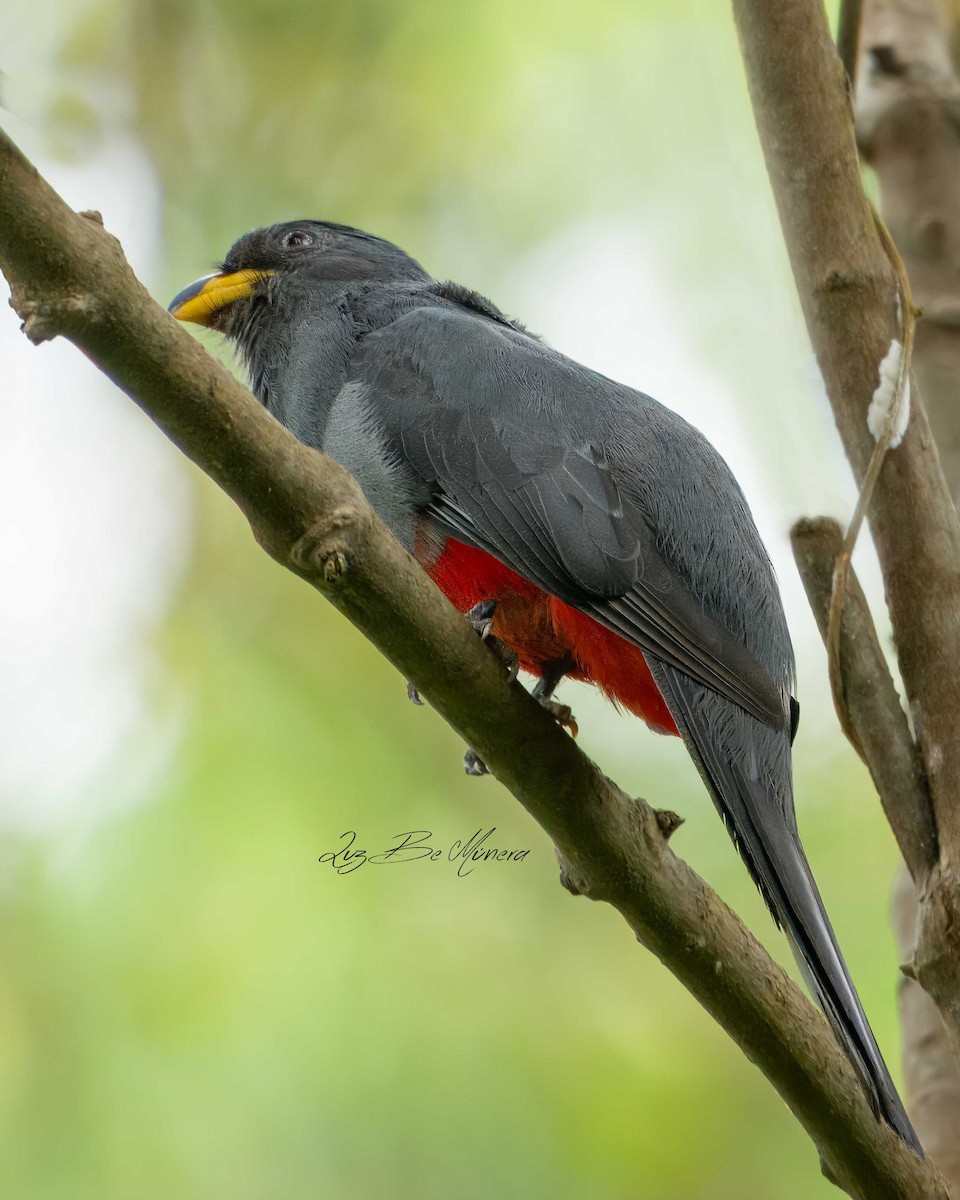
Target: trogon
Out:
[593,532]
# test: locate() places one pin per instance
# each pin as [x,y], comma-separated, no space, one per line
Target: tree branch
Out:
[878,725]
[929,1065]
[907,110]
[848,37]
[879,732]
[848,292]
[68,276]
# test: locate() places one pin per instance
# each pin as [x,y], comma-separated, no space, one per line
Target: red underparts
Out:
[542,630]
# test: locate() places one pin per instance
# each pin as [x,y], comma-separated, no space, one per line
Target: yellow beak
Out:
[200,300]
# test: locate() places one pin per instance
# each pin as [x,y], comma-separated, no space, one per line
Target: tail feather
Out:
[755,800]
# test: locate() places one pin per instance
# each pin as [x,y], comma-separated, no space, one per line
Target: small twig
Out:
[908,322]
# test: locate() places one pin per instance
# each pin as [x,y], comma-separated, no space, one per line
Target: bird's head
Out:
[277,266]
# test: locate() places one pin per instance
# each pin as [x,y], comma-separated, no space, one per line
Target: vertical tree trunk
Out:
[843,266]
[908,130]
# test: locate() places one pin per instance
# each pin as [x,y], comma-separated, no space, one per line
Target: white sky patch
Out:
[883,398]
[94,535]
[606,294]
[602,293]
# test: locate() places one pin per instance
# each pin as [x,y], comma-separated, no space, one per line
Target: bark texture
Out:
[879,724]
[908,130]
[907,125]
[850,297]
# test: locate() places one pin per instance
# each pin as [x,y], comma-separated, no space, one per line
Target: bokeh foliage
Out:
[191,1005]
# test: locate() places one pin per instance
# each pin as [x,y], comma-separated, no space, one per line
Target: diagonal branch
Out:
[69,277]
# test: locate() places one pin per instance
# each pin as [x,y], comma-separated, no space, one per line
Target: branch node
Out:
[43,320]
[668,822]
[334,565]
[325,547]
[574,880]
[568,877]
[91,214]
[840,281]
[827,1171]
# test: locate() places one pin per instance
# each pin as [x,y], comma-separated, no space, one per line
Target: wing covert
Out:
[477,409]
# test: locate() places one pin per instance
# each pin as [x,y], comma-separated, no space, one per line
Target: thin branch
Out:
[878,725]
[841,570]
[68,276]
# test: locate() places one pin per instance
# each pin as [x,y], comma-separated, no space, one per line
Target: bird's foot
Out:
[481,621]
[474,765]
[546,685]
[542,693]
[561,713]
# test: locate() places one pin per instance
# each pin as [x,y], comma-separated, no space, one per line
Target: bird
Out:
[587,530]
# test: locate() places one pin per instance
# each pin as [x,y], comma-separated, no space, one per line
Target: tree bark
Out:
[907,114]
[849,293]
[69,277]
[885,743]
[908,129]
[879,724]
[929,1065]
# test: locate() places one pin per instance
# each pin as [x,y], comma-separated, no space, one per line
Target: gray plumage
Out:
[456,420]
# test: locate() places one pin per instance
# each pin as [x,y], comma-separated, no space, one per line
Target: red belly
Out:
[542,630]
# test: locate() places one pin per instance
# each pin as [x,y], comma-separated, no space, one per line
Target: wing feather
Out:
[509,475]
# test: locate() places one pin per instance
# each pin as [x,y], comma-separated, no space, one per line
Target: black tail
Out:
[736,765]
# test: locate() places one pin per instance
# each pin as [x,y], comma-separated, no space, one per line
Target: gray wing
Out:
[482,414]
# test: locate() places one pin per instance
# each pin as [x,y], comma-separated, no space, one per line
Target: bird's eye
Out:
[296,237]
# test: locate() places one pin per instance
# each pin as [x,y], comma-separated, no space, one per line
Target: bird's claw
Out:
[474,765]
[480,618]
[561,713]
[481,621]
[412,694]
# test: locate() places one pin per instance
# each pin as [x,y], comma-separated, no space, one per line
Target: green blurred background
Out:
[190,1005]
